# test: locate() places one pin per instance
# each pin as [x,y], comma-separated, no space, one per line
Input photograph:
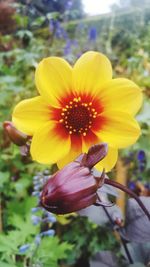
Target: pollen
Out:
[78,116]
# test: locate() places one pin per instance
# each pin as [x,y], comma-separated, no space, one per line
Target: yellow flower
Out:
[78,107]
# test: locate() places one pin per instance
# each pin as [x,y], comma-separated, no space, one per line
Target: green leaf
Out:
[5,264]
[6,244]
[51,250]
[4,178]
[21,207]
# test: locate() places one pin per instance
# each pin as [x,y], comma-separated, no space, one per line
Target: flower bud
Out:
[75,187]
[15,136]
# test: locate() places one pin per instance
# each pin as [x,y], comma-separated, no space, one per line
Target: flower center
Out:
[78,116]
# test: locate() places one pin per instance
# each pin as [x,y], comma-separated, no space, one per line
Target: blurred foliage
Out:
[41,7]
[124,37]
[97,238]
[7,11]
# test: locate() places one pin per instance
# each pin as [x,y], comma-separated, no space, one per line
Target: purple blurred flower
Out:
[49,232]
[37,240]
[24,248]
[132,185]
[36,178]
[37,187]
[35,219]
[142,166]
[35,209]
[36,194]
[92,34]
[67,48]
[51,25]
[69,45]
[141,155]
[56,28]
[50,218]
[69,4]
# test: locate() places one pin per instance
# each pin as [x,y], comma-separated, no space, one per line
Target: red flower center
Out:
[78,116]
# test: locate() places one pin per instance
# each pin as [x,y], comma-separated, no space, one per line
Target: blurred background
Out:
[29,31]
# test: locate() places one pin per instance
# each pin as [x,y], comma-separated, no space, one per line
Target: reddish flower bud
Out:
[15,136]
[74,187]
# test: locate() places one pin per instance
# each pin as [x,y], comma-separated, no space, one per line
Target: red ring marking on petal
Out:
[79,114]
[55,113]
[76,142]
[90,139]
[99,123]
[60,131]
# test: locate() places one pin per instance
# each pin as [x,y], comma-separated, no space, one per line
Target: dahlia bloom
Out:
[77,107]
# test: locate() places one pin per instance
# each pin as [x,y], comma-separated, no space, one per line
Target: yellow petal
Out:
[119,129]
[71,156]
[109,161]
[30,114]
[75,151]
[53,79]
[91,70]
[121,94]
[50,143]
[89,140]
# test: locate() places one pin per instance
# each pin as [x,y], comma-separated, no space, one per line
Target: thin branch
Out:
[124,243]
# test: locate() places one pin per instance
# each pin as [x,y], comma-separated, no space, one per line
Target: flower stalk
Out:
[129,192]
[123,241]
